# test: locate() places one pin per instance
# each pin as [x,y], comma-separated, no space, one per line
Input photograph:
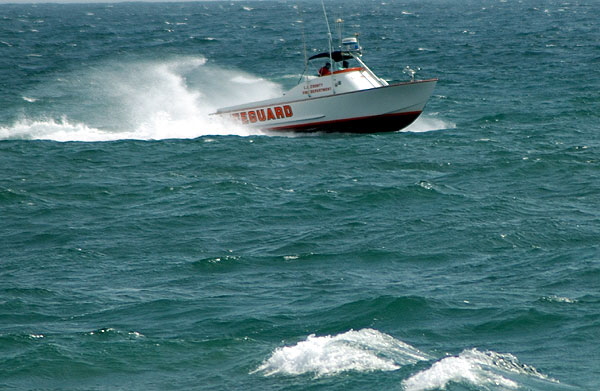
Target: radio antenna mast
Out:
[301,21]
[328,31]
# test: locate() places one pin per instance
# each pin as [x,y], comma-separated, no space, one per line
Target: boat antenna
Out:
[328,32]
[301,21]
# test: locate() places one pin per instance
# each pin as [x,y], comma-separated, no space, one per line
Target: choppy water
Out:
[146,246]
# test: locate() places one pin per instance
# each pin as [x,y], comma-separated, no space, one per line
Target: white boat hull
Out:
[381,109]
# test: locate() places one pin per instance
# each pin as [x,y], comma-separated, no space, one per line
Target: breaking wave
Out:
[364,350]
[369,350]
[489,370]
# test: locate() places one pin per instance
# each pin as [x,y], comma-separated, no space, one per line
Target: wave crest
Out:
[472,367]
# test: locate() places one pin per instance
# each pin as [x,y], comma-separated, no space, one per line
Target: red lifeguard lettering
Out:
[279,112]
[261,115]
[252,116]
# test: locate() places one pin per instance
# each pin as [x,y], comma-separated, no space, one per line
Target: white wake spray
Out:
[147,101]
[427,123]
[364,350]
[61,130]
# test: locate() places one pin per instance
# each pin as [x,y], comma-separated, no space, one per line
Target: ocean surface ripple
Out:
[146,245]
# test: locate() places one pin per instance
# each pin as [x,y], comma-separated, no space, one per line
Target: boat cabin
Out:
[335,62]
[336,72]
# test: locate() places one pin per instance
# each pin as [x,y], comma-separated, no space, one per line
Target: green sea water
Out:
[145,246]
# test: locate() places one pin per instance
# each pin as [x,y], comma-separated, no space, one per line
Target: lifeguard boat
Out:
[348,97]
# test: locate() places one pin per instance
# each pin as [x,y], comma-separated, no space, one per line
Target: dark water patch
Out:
[381,312]
[527,322]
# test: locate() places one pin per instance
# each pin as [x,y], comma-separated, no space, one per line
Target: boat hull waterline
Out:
[380,109]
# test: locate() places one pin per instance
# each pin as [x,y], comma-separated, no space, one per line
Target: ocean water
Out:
[144,245]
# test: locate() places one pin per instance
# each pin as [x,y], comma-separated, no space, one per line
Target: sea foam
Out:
[57,130]
[364,350]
